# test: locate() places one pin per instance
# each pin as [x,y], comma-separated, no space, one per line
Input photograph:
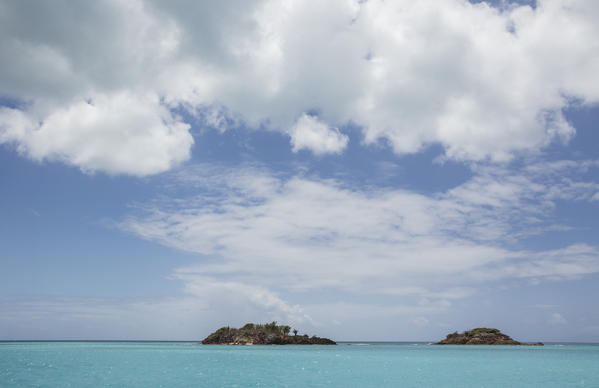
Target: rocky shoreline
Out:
[482,336]
[267,334]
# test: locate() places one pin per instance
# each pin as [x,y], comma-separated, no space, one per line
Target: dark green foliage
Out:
[481,330]
[272,327]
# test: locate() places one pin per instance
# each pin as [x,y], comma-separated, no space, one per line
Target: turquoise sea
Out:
[186,364]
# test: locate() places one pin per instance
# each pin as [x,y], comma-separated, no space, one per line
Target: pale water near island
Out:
[169,364]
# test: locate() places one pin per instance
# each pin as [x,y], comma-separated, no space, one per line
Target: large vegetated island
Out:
[267,334]
[481,336]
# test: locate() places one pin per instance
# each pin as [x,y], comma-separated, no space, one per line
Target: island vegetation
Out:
[481,336]
[262,334]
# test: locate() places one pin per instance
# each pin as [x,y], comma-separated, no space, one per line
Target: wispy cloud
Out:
[557,319]
[300,234]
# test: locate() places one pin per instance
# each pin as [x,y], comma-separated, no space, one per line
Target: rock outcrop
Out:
[481,336]
[268,334]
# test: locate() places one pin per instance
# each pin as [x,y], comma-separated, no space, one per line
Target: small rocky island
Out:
[267,334]
[481,336]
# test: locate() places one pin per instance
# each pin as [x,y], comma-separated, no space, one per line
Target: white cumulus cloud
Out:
[483,82]
[309,133]
[121,134]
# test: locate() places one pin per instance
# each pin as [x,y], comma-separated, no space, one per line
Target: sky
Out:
[360,170]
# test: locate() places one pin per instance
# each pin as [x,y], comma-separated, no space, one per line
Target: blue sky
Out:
[394,172]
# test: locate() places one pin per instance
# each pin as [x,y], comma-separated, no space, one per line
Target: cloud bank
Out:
[391,249]
[93,83]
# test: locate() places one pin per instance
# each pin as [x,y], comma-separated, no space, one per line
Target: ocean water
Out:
[170,364]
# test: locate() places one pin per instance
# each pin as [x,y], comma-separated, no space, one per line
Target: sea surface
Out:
[187,364]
